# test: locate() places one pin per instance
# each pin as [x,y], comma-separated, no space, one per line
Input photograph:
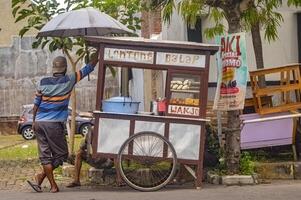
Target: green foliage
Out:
[191,11]
[259,11]
[212,142]
[247,165]
[295,3]
[123,10]
[112,70]
[168,10]
[38,12]
[216,15]
[264,13]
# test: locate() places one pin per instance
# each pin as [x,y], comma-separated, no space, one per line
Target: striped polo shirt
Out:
[53,95]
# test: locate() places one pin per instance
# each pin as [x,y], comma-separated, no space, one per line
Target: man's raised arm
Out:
[83,72]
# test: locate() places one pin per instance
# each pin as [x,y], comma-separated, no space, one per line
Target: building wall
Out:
[21,68]
[176,30]
[7,24]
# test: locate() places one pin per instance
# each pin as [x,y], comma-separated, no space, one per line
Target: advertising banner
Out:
[232,71]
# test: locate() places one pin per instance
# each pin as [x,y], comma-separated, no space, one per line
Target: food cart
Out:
[146,148]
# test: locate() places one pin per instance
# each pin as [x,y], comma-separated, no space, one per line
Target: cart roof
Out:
[151,43]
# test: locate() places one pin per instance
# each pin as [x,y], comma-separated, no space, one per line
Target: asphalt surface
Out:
[276,191]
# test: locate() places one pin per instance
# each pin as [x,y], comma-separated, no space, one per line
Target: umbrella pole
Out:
[88,58]
[87,52]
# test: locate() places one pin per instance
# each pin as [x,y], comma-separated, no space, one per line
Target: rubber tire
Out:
[158,187]
[23,133]
[81,130]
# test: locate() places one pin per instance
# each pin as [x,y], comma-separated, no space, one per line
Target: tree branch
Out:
[245,4]
[70,59]
[79,58]
[214,3]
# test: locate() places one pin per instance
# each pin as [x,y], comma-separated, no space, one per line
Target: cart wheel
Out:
[141,162]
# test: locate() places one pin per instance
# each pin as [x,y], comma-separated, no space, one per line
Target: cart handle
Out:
[271,118]
[154,116]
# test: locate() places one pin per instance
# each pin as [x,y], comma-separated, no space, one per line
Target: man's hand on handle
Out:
[94,58]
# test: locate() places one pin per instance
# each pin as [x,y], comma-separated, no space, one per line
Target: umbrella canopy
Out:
[83,22]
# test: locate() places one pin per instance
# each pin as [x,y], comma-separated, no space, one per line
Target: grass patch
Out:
[25,150]
[9,140]
[20,149]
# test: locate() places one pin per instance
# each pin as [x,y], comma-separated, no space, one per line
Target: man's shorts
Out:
[52,144]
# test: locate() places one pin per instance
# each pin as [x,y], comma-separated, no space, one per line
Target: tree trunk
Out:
[257,45]
[232,143]
[73,106]
[232,146]
[73,115]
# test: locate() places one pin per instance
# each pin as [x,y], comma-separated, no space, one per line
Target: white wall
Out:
[176,30]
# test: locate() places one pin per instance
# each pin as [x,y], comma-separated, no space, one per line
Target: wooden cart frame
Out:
[154,47]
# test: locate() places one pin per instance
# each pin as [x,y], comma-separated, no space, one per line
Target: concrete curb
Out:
[264,171]
[279,170]
[228,180]
[238,180]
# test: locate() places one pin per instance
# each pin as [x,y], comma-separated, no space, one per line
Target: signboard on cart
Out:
[181,59]
[232,72]
[129,55]
[147,57]
[183,110]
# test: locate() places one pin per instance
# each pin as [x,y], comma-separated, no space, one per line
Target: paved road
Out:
[290,190]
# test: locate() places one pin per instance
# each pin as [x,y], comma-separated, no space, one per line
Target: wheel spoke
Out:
[146,169]
[158,151]
[154,145]
[141,148]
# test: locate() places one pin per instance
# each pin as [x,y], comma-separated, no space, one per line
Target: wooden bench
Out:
[287,91]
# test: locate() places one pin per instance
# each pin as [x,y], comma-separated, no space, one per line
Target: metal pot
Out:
[120,105]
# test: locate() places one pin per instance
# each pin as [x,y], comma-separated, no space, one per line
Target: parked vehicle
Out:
[83,123]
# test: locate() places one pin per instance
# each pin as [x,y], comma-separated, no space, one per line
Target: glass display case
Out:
[184,93]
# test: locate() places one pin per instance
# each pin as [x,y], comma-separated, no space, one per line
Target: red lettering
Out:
[230,44]
[238,45]
[227,45]
[223,48]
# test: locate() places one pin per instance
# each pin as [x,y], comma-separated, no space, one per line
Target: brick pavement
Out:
[13,174]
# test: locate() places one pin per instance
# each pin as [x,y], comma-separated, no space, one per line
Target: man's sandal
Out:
[35,186]
[73,184]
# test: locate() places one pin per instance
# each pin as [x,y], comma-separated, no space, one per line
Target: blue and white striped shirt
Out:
[53,95]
